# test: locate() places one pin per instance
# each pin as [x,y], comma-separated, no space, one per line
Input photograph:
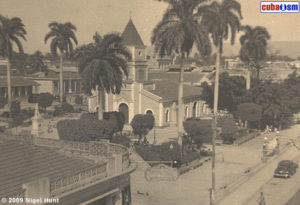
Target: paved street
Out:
[192,187]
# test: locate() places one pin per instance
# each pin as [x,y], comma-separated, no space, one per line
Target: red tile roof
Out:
[20,163]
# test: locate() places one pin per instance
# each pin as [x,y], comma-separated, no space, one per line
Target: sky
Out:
[106,16]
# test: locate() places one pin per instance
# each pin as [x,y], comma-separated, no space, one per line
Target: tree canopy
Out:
[103,63]
[254,44]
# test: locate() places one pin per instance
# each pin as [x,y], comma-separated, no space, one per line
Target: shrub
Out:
[45,100]
[200,131]
[78,100]
[27,113]
[163,152]
[116,117]
[229,129]
[3,102]
[33,98]
[85,129]
[15,107]
[148,153]
[250,111]
[142,124]
[16,120]
[121,139]
[67,108]
[168,154]
[57,110]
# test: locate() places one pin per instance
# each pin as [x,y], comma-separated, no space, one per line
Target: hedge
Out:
[199,130]
[117,117]
[85,129]
[163,152]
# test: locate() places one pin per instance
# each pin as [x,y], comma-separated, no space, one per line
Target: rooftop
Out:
[22,163]
[168,90]
[130,35]
[193,77]
[17,82]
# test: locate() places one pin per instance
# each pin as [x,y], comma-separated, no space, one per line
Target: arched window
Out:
[123,108]
[186,112]
[167,116]
[204,109]
[149,112]
[195,109]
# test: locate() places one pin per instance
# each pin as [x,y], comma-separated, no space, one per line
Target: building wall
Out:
[46,86]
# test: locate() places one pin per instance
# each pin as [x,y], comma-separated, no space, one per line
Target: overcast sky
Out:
[106,16]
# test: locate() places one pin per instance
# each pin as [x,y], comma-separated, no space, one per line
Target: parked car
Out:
[285,168]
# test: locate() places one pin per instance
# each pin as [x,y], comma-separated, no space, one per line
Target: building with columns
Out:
[49,82]
[140,95]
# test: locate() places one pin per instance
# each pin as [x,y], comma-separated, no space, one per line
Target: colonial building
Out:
[49,81]
[21,88]
[141,95]
[46,171]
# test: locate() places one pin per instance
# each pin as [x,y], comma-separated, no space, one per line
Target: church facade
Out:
[140,95]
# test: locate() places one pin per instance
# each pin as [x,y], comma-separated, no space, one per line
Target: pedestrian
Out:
[261,200]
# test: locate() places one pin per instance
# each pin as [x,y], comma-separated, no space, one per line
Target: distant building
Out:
[49,81]
[52,171]
[141,94]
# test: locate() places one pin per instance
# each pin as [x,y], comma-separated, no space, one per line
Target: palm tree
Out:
[177,32]
[62,35]
[11,30]
[219,18]
[254,47]
[102,65]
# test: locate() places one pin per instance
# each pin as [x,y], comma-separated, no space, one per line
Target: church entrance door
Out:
[123,108]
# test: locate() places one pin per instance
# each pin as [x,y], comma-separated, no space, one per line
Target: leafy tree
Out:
[232,90]
[78,100]
[63,36]
[200,131]
[177,32]
[45,100]
[254,47]
[11,30]
[250,112]
[15,114]
[142,124]
[15,108]
[117,117]
[229,129]
[102,65]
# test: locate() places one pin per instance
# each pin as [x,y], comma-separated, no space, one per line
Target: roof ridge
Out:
[131,36]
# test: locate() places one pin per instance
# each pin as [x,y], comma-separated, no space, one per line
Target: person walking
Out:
[261,199]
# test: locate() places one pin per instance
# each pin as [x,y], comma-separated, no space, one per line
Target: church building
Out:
[140,95]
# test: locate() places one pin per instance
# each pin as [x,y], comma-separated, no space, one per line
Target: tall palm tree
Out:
[102,65]
[254,47]
[11,30]
[219,18]
[63,37]
[177,32]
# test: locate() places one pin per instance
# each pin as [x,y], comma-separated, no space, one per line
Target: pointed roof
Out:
[131,36]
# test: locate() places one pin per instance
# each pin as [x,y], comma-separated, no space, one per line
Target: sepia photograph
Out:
[149,102]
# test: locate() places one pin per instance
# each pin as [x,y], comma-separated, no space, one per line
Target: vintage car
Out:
[285,168]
